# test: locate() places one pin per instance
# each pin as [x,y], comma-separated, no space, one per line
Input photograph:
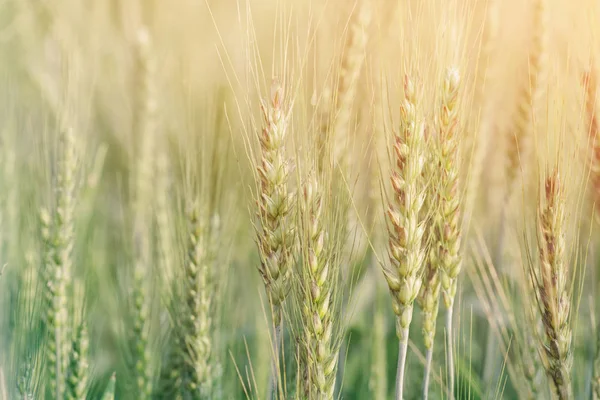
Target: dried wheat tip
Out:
[318,281]
[405,226]
[195,318]
[275,233]
[448,235]
[351,68]
[529,97]
[551,281]
[77,376]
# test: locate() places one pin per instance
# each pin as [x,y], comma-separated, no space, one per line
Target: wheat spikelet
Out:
[144,131]
[448,236]
[481,142]
[551,284]
[429,295]
[275,234]
[405,227]
[532,367]
[591,92]
[318,278]
[529,97]
[350,71]
[164,217]
[55,308]
[590,84]
[429,300]
[58,237]
[196,317]
[77,376]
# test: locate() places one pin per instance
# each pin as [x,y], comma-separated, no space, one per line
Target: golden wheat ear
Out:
[405,227]
[274,228]
[550,277]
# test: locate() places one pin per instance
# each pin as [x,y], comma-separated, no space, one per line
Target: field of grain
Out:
[270,199]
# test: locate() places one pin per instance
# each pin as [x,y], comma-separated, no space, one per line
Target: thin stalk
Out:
[402,350]
[450,352]
[274,378]
[426,378]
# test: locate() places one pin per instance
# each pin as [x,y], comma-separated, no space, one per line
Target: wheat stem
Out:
[426,378]
[449,345]
[272,389]
[402,350]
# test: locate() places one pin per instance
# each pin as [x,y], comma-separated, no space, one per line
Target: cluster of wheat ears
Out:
[159,242]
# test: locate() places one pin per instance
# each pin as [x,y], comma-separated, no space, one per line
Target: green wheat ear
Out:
[77,373]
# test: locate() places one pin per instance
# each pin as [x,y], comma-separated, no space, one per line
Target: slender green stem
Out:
[450,351]
[428,360]
[402,350]
[274,378]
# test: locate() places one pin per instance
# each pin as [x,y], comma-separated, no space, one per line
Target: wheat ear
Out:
[529,97]
[318,277]
[144,130]
[551,282]
[196,319]
[275,234]
[350,71]
[405,226]
[58,236]
[430,290]
[590,84]
[77,376]
[429,300]
[448,221]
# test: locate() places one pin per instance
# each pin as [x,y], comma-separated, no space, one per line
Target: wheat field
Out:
[270,199]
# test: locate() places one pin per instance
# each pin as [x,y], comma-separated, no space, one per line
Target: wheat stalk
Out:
[405,227]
